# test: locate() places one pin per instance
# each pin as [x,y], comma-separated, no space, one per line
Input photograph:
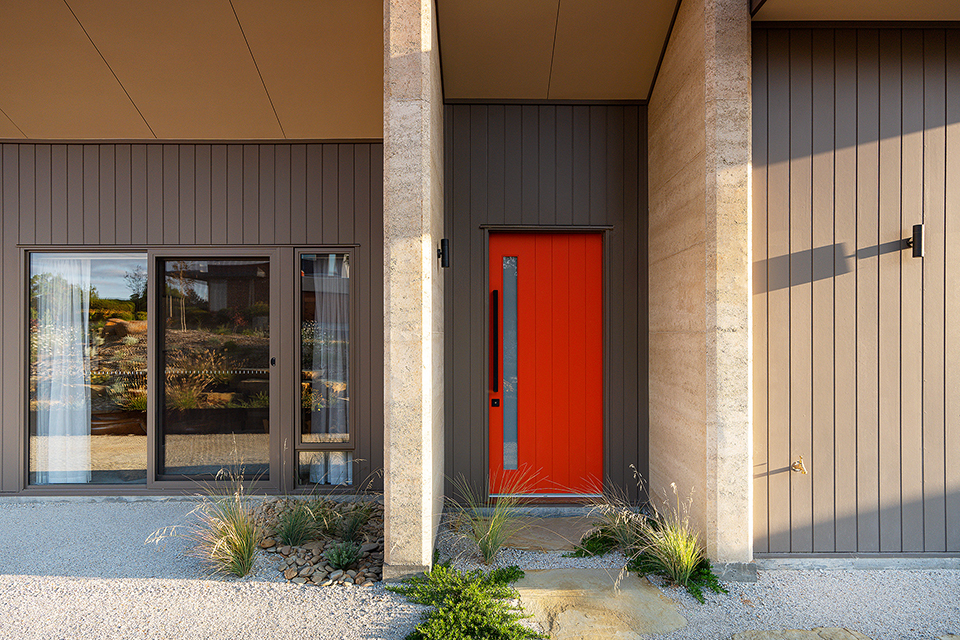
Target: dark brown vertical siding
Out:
[108,196]
[187,185]
[760,126]
[951,270]
[172,195]
[42,185]
[933,311]
[330,226]
[854,351]
[822,293]
[550,165]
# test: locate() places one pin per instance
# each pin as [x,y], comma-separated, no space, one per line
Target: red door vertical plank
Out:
[561,389]
[594,342]
[578,381]
[528,284]
[495,420]
[544,360]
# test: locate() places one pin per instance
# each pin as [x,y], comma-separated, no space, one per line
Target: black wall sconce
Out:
[443,253]
[916,241]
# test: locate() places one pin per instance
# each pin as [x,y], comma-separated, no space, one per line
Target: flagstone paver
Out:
[586,604]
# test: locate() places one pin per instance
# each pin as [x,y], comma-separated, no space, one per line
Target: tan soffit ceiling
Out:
[305,55]
[53,83]
[182,69]
[805,10]
[551,49]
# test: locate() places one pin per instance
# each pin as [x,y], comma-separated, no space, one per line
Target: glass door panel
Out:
[214,352]
[88,368]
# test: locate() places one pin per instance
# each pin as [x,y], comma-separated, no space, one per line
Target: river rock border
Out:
[306,564]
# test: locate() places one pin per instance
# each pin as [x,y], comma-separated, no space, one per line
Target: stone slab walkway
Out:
[585,604]
[549,534]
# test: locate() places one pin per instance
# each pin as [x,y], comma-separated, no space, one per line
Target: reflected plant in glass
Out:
[86,369]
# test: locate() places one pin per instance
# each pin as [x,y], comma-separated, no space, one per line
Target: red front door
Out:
[546,363]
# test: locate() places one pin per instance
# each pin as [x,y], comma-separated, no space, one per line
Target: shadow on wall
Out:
[810,265]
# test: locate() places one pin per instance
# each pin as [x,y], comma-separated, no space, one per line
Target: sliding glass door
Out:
[173,367]
[214,351]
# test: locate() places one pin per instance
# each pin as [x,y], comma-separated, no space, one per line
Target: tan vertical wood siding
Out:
[171,195]
[551,165]
[857,355]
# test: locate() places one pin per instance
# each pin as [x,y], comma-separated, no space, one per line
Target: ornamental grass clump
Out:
[297,525]
[661,542]
[227,532]
[354,518]
[489,522]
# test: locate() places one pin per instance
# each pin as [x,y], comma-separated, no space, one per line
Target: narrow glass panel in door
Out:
[215,357]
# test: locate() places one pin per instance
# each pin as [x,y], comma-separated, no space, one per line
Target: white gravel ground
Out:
[81,570]
[883,605]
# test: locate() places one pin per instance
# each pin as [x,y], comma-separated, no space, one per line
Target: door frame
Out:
[214,252]
[289,369]
[604,231]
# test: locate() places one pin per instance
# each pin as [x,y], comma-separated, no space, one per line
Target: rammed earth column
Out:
[413,288]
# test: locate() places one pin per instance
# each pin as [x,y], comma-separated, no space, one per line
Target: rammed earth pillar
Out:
[699,251]
[729,135]
[413,288]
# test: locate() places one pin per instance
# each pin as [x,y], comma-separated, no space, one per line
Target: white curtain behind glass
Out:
[63,370]
[331,364]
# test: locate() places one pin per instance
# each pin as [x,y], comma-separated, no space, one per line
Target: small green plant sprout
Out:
[489,522]
[342,555]
[467,605]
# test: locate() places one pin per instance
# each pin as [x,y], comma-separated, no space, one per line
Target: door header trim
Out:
[547,228]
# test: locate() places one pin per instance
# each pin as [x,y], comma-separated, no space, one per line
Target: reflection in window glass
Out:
[325,347]
[326,467]
[215,352]
[88,375]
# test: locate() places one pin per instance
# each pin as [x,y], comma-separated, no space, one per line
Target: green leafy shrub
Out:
[342,555]
[466,605]
[596,543]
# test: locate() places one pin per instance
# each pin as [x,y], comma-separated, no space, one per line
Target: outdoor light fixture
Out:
[916,241]
[443,253]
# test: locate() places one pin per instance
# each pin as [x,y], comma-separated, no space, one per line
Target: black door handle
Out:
[495,340]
